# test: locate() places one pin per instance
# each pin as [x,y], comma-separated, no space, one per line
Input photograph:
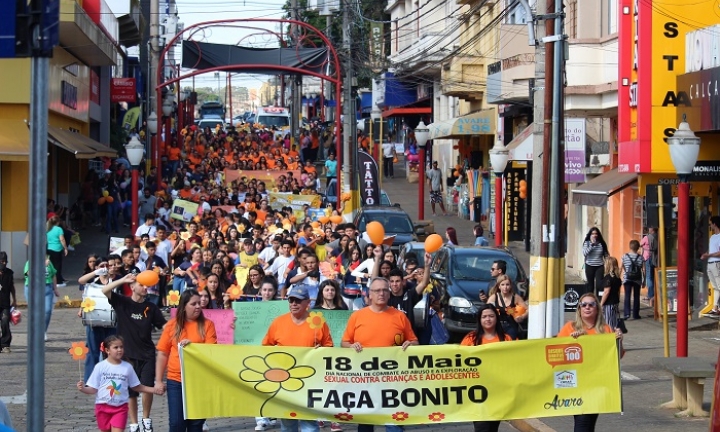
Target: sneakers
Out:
[261,425]
[45,336]
[335,427]
[5,350]
[62,284]
[206,428]
[134,427]
[147,425]
[321,423]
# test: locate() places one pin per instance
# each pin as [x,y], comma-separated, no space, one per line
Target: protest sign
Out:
[268,177]
[281,199]
[222,318]
[183,210]
[254,318]
[423,384]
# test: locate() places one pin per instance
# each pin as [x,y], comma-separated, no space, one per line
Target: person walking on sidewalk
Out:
[56,246]
[8,300]
[434,179]
[649,245]
[50,290]
[388,150]
[713,258]
[632,263]
[595,250]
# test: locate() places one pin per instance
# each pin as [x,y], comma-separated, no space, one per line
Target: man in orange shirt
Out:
[292,329]
[378,325]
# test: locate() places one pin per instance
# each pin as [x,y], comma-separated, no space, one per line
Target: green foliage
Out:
[118,136]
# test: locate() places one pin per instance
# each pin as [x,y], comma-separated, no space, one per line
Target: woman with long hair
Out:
[588,321]
[503,296]
[451,236]
[214,289]
[57,246]
[610,298]
[254,281]
[595,250]
[188,326]
[329,296]
[488,330]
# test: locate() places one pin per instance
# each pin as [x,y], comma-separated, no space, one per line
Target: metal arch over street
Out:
[250,23]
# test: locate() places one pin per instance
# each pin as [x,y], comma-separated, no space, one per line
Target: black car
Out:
[461,272]
[394,219]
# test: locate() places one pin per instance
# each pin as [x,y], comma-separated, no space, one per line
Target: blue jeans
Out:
[388,428]
[290,425]
[111,217]
[650,278]
[95,336]
[49,302]
[175,410]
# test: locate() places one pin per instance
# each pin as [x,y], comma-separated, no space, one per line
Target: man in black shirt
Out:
[404,295]
[7,291]
[135,321]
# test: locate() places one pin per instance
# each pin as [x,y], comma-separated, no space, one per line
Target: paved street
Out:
[644,386]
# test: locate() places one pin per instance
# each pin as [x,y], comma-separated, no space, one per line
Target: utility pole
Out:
[547,263]
[349,123]
[154,53]
[296,79]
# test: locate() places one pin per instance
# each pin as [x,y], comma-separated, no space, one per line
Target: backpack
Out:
[634,273]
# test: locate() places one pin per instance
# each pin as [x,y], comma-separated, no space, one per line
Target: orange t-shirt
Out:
[169,345]
[185,193]
[378,329]
[568,329]
[174,153]
[469,339]
[284,332]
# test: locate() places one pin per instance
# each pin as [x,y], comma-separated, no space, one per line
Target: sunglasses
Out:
[588,304]
[294,300]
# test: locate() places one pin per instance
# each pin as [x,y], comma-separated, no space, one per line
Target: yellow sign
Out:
[703,189]
[424,384]
[280,199]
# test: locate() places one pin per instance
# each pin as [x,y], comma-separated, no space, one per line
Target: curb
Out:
[530,425]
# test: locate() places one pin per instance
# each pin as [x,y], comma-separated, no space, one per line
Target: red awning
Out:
[406,111]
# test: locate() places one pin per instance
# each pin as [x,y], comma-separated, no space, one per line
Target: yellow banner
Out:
[424,384]
[280,199]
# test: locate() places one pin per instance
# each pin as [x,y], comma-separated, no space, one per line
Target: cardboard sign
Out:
[222,318]
[183,210]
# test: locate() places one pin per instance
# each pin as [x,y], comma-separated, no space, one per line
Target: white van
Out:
[273,116]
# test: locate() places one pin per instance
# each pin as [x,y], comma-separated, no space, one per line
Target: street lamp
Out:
[422,133]
[684,148]
[498,161]
[134,150]
[167,107]
[152,125]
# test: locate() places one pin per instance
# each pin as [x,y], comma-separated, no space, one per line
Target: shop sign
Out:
[574,150]
[123,90]
[708,171]
[515,205]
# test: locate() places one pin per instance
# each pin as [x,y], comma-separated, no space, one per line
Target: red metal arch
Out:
[193,29]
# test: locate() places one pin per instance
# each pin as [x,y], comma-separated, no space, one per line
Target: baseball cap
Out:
[299,292]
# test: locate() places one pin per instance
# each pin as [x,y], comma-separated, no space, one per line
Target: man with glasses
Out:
[498,268]
[292,329]
[378,325]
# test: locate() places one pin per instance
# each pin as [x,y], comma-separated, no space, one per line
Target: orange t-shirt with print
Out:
[284,332]
[469,339]
[169,345]
[568,330]
[378,329]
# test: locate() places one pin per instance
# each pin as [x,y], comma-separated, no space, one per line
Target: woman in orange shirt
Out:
[188,326]
[589,320]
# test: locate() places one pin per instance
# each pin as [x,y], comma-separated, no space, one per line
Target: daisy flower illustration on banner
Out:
[436,417]
[400,416]
[315,320]
[173,298]
[274,372]
[343,416]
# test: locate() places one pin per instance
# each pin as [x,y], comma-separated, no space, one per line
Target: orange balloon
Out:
[520,310]
[433,243]
[109,200]
[315,224]
[148,278]
[101,201]
[336,219]
[456,173]
[324,219]
[376,232]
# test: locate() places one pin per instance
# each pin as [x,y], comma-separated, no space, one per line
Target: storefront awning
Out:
[406,111]
[14,140]
[596,192]
[67,141]
[521,147]
[478,123]
[79,145]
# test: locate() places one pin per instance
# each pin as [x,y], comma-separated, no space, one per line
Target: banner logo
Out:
[566,379]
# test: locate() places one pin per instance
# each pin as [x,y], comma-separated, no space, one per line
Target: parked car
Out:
[460,272]
[395,220]
[211,123]
[416,247]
